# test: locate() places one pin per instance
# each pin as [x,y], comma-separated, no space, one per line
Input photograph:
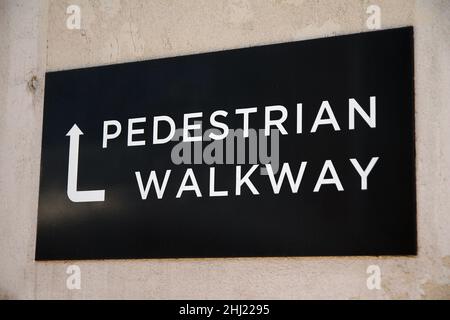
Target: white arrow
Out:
[72,192]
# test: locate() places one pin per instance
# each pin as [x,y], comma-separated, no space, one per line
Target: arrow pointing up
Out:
[72,176]
[74,131]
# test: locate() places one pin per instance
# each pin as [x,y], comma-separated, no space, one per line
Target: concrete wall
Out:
[34,38]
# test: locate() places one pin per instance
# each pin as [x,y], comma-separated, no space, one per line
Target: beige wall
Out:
[34,39]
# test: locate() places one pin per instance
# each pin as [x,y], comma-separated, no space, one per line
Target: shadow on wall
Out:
[5,295]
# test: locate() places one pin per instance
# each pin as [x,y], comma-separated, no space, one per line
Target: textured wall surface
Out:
[35,39]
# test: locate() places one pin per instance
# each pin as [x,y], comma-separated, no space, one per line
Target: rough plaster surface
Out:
[34,39]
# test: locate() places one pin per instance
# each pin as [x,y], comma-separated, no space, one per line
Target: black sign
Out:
[293,149]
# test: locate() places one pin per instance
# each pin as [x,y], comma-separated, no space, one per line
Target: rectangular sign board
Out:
[294,149]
